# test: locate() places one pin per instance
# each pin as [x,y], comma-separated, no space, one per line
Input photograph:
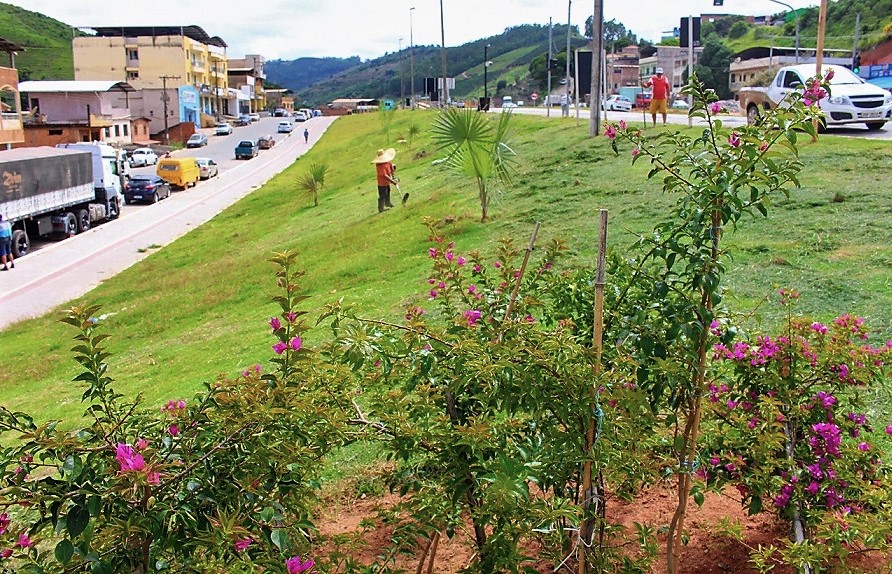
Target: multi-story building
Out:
[68,111]
[11,131]
[622,69]
[159,58]
[247,75]
[673,60]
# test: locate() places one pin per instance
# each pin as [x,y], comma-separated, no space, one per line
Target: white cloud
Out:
[291,29]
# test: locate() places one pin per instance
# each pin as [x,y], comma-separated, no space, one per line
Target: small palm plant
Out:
[413,131]
[313,180]
[476,146]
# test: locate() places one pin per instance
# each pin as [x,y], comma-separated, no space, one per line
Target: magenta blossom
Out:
[174,430]
[734,139]
[610,131]
[275,324]
[6,553]
[129,459]
[297,566]
[888,429]
[295,344]
[622,125]
[142,444]
[242,544]
[291,316]
[635,152]
[4,523]
[432,252]
[450,256]
[460,260]
[280,347]
[153,478]
[715,107]
[472,316]
[24,541]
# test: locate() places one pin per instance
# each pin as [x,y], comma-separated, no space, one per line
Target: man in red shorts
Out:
[659,101]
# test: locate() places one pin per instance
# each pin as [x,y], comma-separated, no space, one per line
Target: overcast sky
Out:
[290,29]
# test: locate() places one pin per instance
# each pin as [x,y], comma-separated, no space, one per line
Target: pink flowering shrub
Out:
[221,482]
[794,432]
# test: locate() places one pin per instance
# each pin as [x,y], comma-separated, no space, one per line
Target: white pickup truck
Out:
[851,99]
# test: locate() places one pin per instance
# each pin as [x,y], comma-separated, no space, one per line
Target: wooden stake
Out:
[523,269]
[819,53]
[588,493]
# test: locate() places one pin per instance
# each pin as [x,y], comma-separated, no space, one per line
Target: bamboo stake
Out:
[434,543]
[588,493]
[819,53]
[523,269]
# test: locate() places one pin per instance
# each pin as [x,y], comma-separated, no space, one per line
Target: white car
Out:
[300,117]
[285,128]
[255,117]
[618,103]
[508,105]
[207,167]
[223,129]
[143,156]
[680,105]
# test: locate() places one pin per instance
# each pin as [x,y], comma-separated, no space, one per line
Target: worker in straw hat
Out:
[385,175]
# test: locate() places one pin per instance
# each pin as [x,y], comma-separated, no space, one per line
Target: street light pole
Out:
[485,69]
[443,56]
[411,60]
[402,74]
[796,19]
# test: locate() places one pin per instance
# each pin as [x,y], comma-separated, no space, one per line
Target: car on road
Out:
[207,168]
[197,140]
[300,117]
[285,128]
[246,149]
[265,142]
[146,188]
[223,129]
[255,117]
[143,156]
[243,120]
[619,103]
[680,105]
[279,113]
[642,99]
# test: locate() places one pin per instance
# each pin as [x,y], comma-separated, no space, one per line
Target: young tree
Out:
[313,180]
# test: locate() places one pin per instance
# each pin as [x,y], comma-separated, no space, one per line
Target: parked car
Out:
[207,168]
[266,142]
[680,105]
[285,128]
[618,103]
[642,99]
[246,149]
[143,156]
[255,117]
[179,171]
[146,188]
[300,117]
[243,120]
[223,129]
[279,113]
[197,140]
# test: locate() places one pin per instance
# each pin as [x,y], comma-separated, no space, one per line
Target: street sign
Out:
[534,96]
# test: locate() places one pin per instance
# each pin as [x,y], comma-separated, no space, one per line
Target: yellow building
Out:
[153,57]
[11,129]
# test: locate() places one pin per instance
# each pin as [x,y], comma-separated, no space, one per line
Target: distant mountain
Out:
[303,72]
[47,44]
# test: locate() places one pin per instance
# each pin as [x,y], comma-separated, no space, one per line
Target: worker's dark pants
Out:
[383,197]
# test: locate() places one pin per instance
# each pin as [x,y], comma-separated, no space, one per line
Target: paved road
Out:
[857,130]
[64,270]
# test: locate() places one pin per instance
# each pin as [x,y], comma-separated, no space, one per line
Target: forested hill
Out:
[47,43]
[302,72]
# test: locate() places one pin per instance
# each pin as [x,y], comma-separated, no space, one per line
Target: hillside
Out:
[47,43]
[303,72]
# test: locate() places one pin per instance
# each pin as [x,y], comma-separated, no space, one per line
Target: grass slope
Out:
[47,43]
[199,307]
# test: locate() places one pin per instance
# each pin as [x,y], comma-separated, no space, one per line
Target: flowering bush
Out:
[222,481]
[793,433]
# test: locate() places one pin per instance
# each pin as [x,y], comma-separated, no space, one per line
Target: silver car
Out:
[143,156]
[207,167]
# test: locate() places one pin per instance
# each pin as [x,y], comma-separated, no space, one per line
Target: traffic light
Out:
[856,63]
[553,64]
[683,36]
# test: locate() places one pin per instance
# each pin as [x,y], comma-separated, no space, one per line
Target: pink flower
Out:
[291,316]
[472,316]
[888,429]
[497,264]
[622,125]
[24,541]
[433,294]
[280,347]
[829,75]
[610,131]
[297,566]
[460,261]
[142,444]
[863,446]
[275,324]
[129,459]
[295,344]
[242,544]
[472,289]
[635,152]
[432,252]
[734,139]
[450,256]
[153,478]
[715,107]
[714,461]
[763,146]
[6,553]
[4,523]
[174,430]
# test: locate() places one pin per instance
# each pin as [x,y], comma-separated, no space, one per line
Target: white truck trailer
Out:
[56,191]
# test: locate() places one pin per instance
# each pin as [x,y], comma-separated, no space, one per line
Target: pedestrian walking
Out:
[306,135]
[384,174]
[6,245]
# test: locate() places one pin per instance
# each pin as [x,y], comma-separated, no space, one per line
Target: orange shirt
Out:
[661,87]
[384,170]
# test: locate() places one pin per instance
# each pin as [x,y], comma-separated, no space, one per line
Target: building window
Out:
[108,132]
[117,130]
[126,130]
[732,79]
[133,54]
[132,75]
[55,132]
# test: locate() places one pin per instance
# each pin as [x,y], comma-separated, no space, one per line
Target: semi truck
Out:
[58,191]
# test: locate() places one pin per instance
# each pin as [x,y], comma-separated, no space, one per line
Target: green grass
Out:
[199,307]
[47,43]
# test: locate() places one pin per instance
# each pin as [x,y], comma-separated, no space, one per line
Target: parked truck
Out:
[851,99]
[56,191]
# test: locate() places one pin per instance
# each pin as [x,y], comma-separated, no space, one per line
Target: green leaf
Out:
[72,467]
[64,551]
[77,520]
[280,539]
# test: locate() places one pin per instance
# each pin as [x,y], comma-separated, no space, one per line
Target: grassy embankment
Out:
[199,307]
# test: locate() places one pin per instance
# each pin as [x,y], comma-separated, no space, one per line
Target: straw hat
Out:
[385,155]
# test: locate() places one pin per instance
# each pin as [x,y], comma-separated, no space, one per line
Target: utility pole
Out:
[857,31]
[566,110]
[445,101]
[691,64]
[402,75]
[548,67]
[594,125]
[411,60]
[164,99]
[822,27]
[485,69]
